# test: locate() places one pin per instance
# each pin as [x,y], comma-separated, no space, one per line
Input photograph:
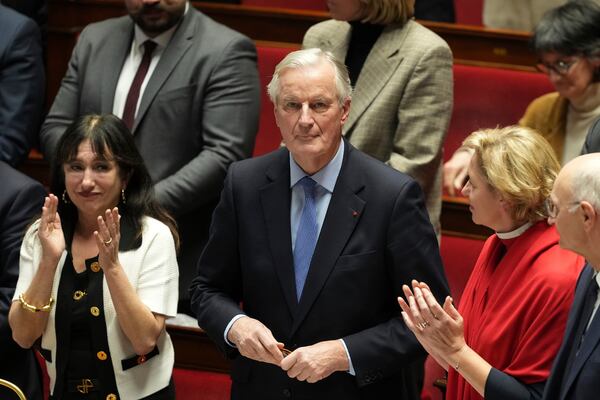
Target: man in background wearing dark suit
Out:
[21,199]
[592,140]
[574,206]
[22,85]
[316,240]
[188,89]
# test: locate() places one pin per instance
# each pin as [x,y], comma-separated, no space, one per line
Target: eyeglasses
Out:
[552,209]
[560,67]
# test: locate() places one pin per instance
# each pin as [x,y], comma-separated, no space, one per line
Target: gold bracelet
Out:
[34,309]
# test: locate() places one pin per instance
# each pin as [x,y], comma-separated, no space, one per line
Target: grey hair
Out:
[585,186]
[571,29]
[310,58]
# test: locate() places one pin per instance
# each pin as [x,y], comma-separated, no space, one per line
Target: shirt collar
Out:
[326,177]
[161,40]
[515,233]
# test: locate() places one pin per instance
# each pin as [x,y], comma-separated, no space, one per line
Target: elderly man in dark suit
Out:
[315,241]
[22,85]
[574,206]
[592,140]
[21,199]
[188,89]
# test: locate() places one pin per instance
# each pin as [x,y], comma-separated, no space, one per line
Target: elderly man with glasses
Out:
[574,206]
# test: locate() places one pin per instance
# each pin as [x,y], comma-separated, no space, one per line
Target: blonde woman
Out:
[501,342]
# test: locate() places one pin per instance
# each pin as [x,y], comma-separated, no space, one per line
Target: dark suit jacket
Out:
[376,236]
[580,382]
[22,85]
[199,113]
[592,140]
[21,198]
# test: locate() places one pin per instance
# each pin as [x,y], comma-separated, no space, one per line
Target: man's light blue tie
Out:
[306,237]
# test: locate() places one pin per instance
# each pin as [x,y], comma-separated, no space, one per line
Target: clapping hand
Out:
[50,230]
[107,237]
[438,328]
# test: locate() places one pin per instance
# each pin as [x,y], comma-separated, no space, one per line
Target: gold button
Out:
[111,396]
[95,311]
[101,355]
[78,295]
[95,266]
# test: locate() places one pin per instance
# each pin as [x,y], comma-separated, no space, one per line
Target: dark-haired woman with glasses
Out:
[567,43]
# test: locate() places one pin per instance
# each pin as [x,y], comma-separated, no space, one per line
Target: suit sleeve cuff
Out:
[500,386]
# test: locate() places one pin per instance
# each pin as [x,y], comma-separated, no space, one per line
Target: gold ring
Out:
[109,241]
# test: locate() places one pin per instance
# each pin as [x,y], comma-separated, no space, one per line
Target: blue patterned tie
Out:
[306,237]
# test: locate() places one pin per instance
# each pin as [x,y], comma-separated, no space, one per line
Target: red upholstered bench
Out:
[489,97]
[459,255]
[269,55]
[201,385]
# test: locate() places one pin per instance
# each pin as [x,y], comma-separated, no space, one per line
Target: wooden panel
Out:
[470,44]
[194,350]
[487,47]
[456,219]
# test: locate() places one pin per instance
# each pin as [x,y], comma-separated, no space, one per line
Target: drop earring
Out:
[123,196]
[65,197]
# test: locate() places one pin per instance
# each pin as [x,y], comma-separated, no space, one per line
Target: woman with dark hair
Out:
[98,271]
[567,43]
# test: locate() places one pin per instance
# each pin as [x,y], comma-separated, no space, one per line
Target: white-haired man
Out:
[316,240]
[574,206]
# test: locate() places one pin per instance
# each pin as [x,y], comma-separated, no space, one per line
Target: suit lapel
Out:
[177,47]
[591,338]
[343,213]
[275,198]
[118,52]
[380,65]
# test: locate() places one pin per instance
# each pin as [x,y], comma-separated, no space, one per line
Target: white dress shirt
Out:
[133,61]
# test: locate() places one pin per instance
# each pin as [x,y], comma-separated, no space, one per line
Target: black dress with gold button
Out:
[84,369]
[83,366]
